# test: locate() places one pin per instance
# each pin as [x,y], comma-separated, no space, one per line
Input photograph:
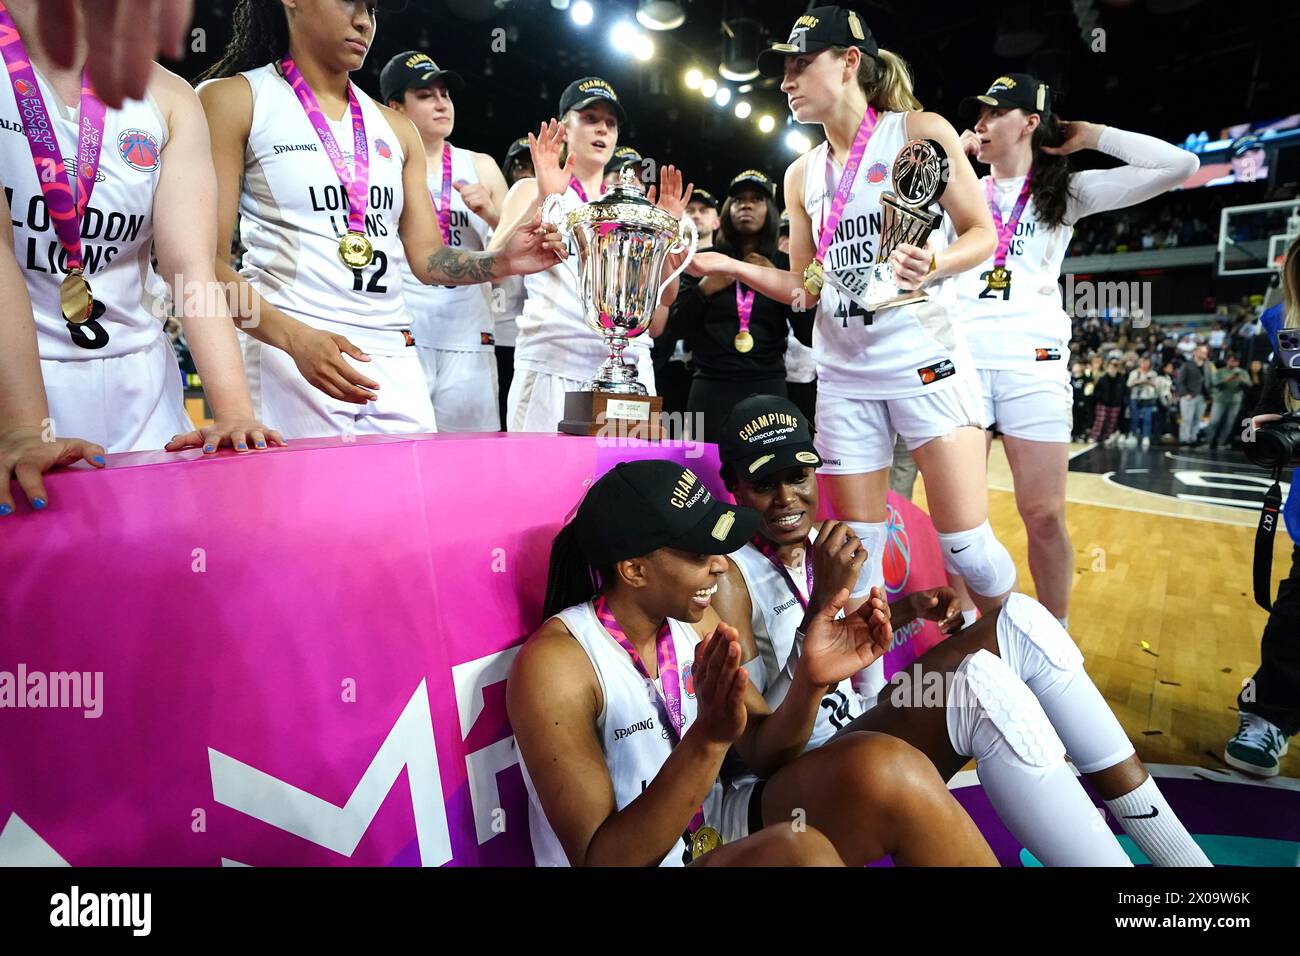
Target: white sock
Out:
[872,534]
[1146,817]
[994,718]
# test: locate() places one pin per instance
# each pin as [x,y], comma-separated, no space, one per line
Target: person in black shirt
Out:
[737,337]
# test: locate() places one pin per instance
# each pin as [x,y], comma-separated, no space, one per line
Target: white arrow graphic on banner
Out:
[20,845]
[409,745]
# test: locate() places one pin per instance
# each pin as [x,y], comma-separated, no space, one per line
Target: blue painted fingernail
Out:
[100,460]
[38,503]
[209,447]
[242,447]
[261,444]
[6,509]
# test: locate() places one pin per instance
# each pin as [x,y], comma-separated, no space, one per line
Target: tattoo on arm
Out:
[453,267]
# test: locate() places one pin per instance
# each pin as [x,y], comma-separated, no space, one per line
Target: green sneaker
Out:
[1257,748]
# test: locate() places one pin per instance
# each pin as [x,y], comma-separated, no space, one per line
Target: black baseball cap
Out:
[819,28]
[705,197]
[1018,91]
[623,156]
[590,89]
[753,178]
[765,434]
[641,506]
[784,230]
[414,70]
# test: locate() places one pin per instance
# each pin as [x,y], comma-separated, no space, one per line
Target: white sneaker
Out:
[1146,443]
[1110,442]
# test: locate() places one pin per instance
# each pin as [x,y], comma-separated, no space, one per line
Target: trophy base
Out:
[611,415]
[903,298]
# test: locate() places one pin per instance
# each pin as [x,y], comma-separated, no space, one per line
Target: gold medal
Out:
[999,278]
[813,279]
[75,298]
[704,840]
[744,341]
[356,251]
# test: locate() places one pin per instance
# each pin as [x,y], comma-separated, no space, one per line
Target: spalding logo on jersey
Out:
[139,150]
[383,149]
[898,553]
[877,172]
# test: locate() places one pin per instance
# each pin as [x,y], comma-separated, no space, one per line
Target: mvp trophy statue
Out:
[622,242]
[920,174]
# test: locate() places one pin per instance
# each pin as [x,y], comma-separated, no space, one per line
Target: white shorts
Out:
[856,435]
[133,402]
[736,797]
[536,400]
[463,388]
[1028,403]
[284,400]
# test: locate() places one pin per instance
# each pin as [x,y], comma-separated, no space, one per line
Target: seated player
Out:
[1016,666]
[625,702]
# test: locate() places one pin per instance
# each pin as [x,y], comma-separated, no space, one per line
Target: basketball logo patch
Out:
[877,172]
[383,149]
[139,150]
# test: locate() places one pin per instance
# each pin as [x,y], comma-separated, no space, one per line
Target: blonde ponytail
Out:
[886,81]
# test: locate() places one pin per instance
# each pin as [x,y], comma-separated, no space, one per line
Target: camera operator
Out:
[1270,702]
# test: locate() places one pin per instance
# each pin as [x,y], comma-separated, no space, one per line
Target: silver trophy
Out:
[920,175]
[623,240]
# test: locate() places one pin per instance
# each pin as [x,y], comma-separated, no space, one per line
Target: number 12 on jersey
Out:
[381,267]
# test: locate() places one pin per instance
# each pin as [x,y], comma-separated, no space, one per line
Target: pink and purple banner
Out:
[296,657]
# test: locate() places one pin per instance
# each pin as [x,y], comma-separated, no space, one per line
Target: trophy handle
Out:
[688,237]
[553,214]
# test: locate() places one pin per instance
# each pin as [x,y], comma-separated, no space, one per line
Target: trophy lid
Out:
[625,202]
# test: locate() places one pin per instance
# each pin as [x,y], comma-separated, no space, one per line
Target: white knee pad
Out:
[979,557]
[1030,636]
[1035,647]
[874,537]
[990,706]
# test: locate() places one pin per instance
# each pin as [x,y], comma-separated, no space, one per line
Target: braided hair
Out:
[571,579]
[261,37]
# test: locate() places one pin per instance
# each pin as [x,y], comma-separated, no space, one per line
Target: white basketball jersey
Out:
[116,232]
[553,336]
[457,317]
[775,618]
[293,210]
[906,350]
[632,735]
[1025,323]
[507,303]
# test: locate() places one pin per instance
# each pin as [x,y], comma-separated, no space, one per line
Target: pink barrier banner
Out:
[296,657]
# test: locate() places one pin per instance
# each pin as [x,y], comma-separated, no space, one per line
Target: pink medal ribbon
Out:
[666,655]
[66,210]
[769,551]
[1005,230]
[354,247]
[582,193]
[744,309]
[845,187]
[443,208]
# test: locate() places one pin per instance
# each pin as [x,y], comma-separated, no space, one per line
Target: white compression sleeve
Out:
[994,718]
[1152,167]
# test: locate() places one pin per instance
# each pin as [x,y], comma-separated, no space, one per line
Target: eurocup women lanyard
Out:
[666,655]
[443,208]
[744,308]
[814,274]
[354,249]
[1000,277]
[577,188]
[67,212]
[769,551]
